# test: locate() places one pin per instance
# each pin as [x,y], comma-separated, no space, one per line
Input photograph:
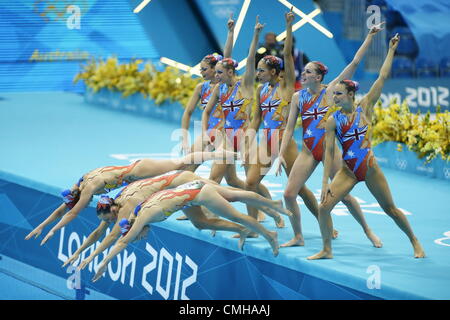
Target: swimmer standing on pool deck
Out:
[351,125]
[313,105]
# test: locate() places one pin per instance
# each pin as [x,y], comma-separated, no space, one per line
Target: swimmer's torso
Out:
[353,133]
[140,190]
[171,200]
[234,106]
[215,120]
[314,112]
[109,178]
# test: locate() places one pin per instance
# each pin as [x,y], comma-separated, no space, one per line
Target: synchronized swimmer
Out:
[154,189]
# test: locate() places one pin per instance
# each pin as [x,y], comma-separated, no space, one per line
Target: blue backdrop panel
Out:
[428,21]
[176,30]
[311,41]
[169,265]
[42,46]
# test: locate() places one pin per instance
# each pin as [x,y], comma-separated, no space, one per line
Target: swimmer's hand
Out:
[35,233]
[230,23]
[281,163]
[49,235]
[85,263]
[71,260]
[99,273]
[326,193]
[376,28]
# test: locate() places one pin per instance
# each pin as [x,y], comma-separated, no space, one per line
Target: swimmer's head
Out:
[106,209]
[313,73]
[344,93]
[225,70]
[268,68]
[70,197]
[208,64]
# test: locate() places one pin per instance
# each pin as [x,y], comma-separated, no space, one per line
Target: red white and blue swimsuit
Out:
[313,114]
[231,108]
[205,95]
[351,137]
[270,104]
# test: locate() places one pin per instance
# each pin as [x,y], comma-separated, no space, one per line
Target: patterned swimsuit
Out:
[234,112]
[192,189]
[215,120]
[313,114]
[166,177]
[272,107]
[351,137]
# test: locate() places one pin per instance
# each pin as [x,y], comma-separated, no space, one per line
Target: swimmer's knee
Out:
[289,194]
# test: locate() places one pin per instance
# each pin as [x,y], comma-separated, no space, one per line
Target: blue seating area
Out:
[409,61]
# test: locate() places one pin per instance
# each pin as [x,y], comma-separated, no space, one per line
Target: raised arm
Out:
[350,69]
[249,75]
[229,44]
[185,121]
[91,239]
[289,67]
[289,131]
[329,156]
[374,93]
[85,198]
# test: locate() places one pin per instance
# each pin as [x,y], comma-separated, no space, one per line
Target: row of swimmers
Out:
[326,112]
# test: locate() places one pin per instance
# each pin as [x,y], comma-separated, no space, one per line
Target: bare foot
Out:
[279,222]
[183,217]
[374,239]
[418,250]
[274,242]
[295,242]
[243,236]
[335,234]
[321,255]
[261,216]
[250,235]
